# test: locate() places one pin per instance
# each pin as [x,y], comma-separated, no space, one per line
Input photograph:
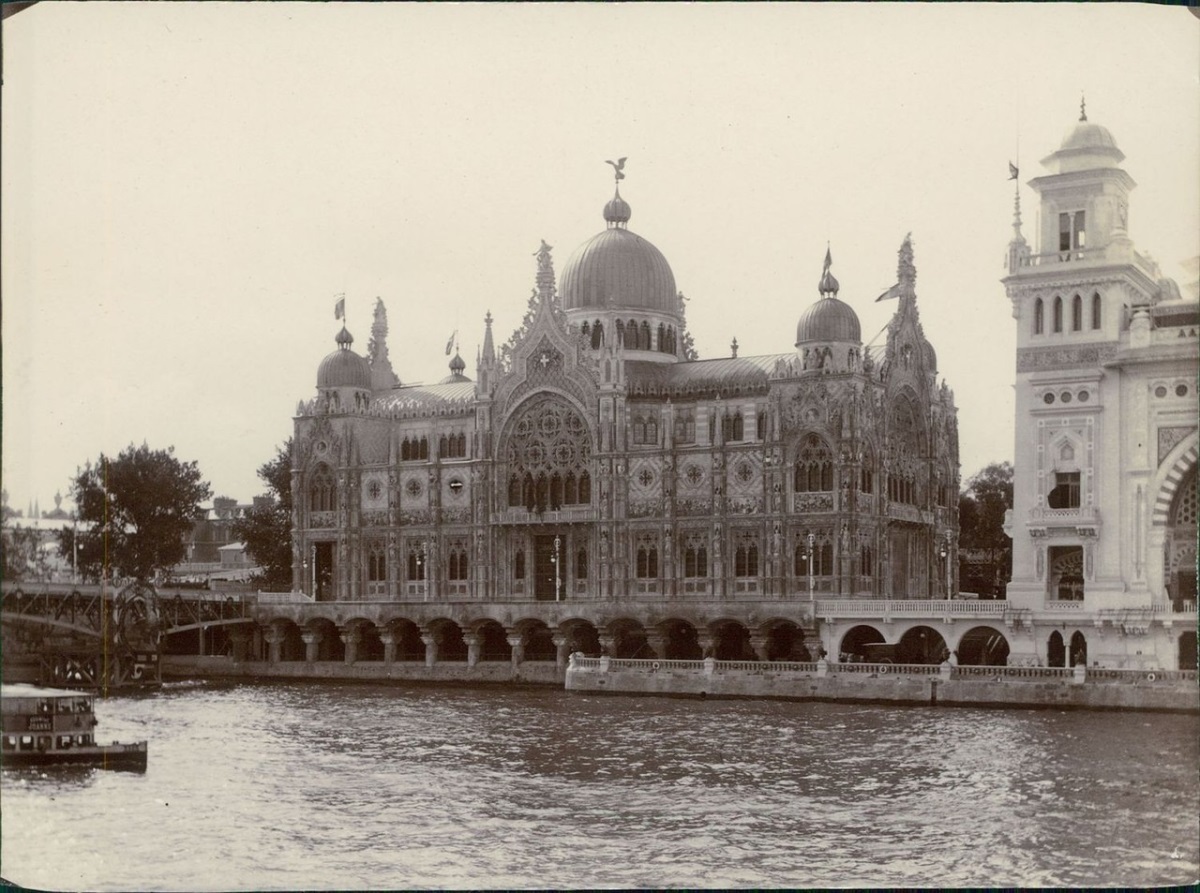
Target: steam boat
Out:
[52,727]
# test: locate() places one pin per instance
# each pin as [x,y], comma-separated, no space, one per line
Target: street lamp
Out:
[812,597]
[421,561]
[946,559]
[557,569]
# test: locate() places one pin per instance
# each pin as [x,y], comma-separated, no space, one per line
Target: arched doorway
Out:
[785,641]
[451,645]
[629,640]
[1078,649]
[407,636]
[680,641]
[731,641]
[921,645]
[493,642]
[1056,650]
[853,647]
[1179,556]
[982,647]
[582,637]
[1187,650]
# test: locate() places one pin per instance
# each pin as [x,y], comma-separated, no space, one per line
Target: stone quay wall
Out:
[1077,688]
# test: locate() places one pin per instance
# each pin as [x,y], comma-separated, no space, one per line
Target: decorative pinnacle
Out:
[1082,107]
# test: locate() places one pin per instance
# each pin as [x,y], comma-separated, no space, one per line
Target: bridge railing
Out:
[284,598]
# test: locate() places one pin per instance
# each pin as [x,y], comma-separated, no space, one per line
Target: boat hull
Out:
[120,757]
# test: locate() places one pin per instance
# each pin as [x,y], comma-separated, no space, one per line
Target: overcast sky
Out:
[186,187]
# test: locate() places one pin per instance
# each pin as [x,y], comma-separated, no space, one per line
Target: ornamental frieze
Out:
[374,519]
[814,502]
[1032,359]
[415,516]
[693,507]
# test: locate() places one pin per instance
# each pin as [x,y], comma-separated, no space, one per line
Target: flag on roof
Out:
[893,292]
[1013,171]
[339,309]
[450,342]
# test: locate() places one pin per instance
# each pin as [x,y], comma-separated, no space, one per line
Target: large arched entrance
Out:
[680,641]
[982,647]
[582,637]
[785,641]
[731,641]
[853,647]
[629,640]
[921,645]
[493,642]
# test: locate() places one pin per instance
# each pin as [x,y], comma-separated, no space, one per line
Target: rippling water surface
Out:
[290,786]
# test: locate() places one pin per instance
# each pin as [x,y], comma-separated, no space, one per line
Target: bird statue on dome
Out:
[618,167]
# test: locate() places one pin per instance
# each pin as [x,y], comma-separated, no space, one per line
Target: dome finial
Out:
[1082,107]
[617,212]
[828,286]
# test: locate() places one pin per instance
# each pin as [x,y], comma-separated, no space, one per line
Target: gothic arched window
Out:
[1039,317]
[645,339]
[1096,310]
[1058,314]
[814,466]
[321,491]
[581,563]
[549,447]
[1077,314]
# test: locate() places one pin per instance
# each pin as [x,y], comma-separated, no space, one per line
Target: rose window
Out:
[548,453]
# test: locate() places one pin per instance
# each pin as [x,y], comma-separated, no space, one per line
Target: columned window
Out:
[321,490]
[813,471]
[695,557]
[647,561]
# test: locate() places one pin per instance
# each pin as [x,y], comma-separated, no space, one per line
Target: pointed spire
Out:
[489,350]
[1082,107]
[382,375]
[733,347]
[545,272]
[906,271]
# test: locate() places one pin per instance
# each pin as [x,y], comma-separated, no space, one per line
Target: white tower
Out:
[1096,340]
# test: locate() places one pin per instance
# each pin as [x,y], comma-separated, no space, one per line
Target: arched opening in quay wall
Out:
[581,636]
[853,646]
[921,645]
[680,640]
[731,641]
[407,636]
[493,642]
[983,646]
[785,641]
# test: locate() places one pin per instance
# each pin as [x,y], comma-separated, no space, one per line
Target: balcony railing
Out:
[573,515]
[852,607]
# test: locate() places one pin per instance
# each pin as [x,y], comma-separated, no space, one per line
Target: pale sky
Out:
[186,187]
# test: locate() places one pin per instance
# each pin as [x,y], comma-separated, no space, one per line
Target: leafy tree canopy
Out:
[266,529]
[136,511]
[985,499]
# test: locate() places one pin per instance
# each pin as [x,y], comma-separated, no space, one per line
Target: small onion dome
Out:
[344,368]
[828,286]
[828,319]
[617,210]
[457,365]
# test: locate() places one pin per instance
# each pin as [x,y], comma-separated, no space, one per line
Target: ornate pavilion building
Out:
[1104,517]
[594,462]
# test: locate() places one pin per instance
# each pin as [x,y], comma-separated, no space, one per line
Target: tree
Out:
[134,512]
[23,558]
[985,549]
[266,529]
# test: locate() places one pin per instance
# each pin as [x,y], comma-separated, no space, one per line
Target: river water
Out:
[360,787]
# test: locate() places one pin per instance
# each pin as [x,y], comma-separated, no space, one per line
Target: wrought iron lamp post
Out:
[557,569]
[812,596]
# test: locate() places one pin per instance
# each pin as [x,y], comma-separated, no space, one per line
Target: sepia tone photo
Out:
[579,446]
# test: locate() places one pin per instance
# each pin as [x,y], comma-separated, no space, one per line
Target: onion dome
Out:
[828,319]
[344,368]
[618,269]
[457,365]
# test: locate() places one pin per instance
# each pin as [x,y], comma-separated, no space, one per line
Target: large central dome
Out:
[618,269]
